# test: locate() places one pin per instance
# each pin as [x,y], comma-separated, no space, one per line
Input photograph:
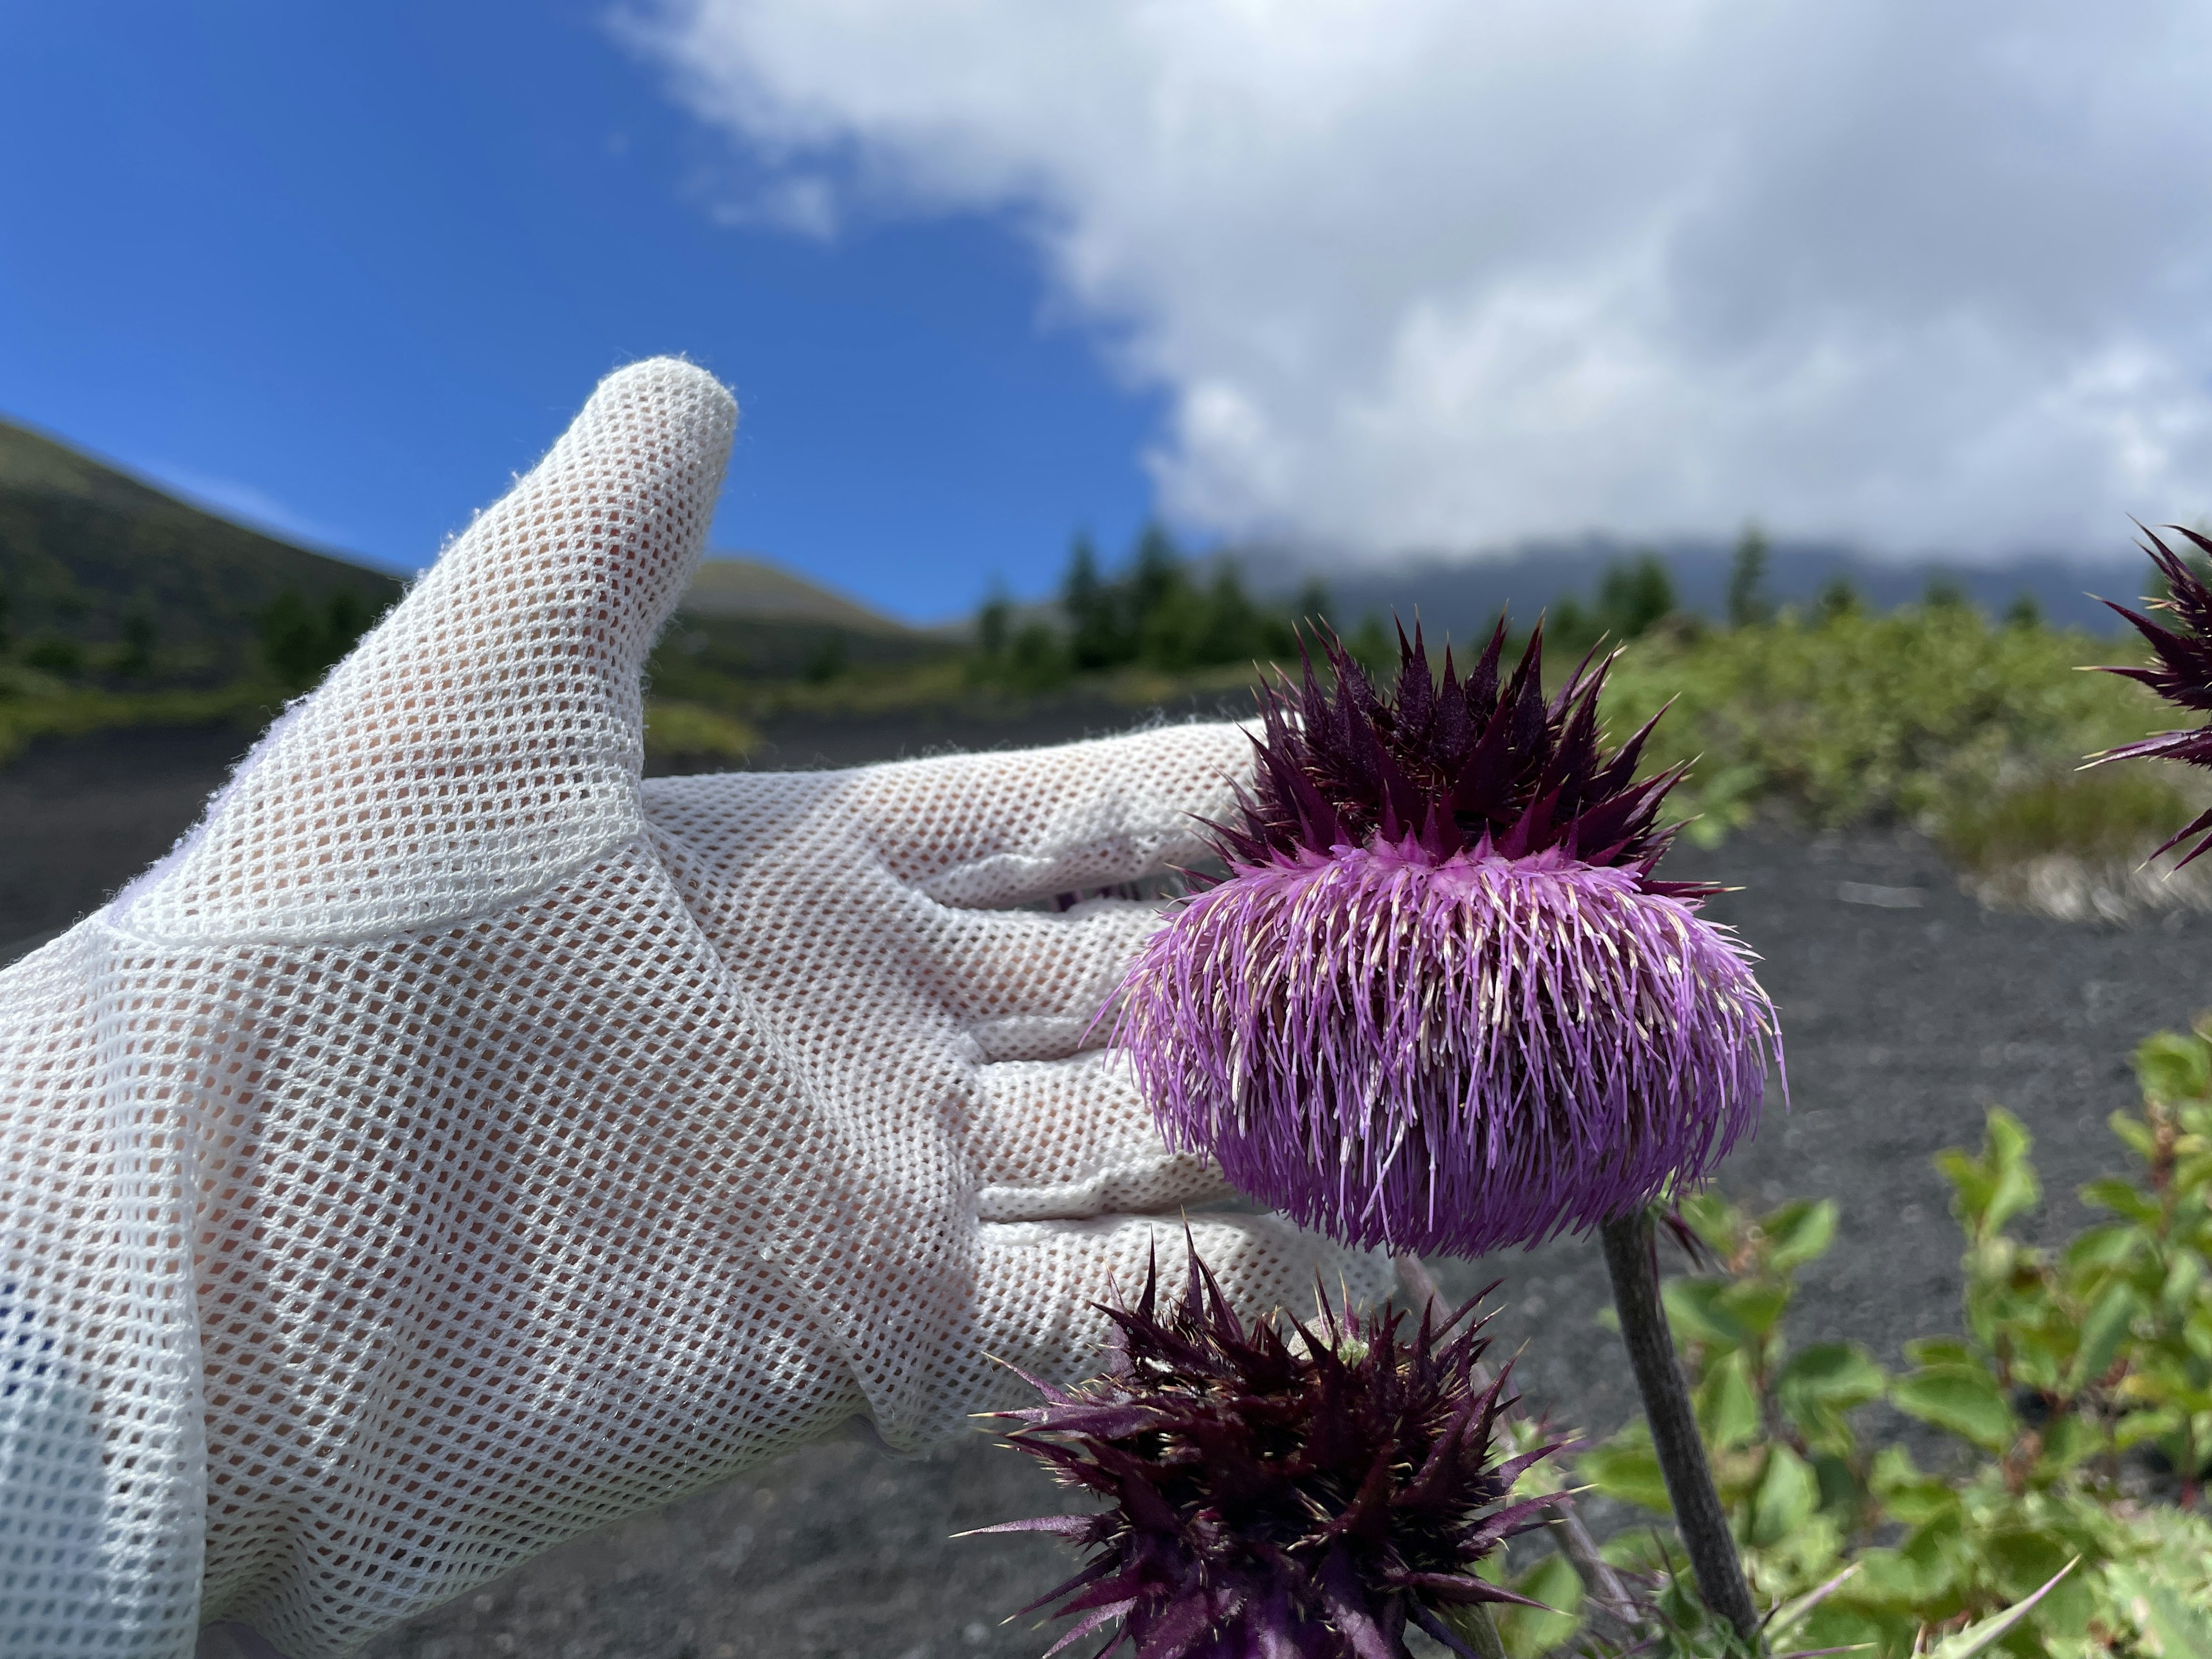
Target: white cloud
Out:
[1441,275]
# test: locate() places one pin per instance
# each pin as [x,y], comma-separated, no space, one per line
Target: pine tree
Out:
[1747,602]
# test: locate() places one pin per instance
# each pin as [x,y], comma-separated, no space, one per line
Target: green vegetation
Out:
[110,585]
[299,646]
[1930,715]
[2073,1414]
[684,732]
[122,606]
[1157,614]
[1747,603]
[1633,597]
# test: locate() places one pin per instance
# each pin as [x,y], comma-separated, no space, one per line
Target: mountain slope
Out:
[734,587]
[87,551]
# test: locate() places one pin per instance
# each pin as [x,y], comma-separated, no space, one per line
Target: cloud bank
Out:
[1427,274]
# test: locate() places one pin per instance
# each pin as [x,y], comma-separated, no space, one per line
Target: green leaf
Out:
[1727,1406]
[2137,1427]
[1908,1495]
[2181,1630]
[1627,1469]
[1782,1622]
[1798,1233]
[1887,1579]
[1716,1221]
[1840,1373]
[1962,1400]
[2068,1442]
[2121,1198]
[1997,1186]
[1984,1632]
[2135,1133]
[1696,1314]
[1754,1305]
[2102,1333]
[1823,1382]
[1786,1497]
[2171,1067]
[1528,1632]
[1932,1552]
[2020,1558]
[2182,1279]
[1940,1351]
[2108,1246]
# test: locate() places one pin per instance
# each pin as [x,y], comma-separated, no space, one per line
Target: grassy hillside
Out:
[110,583]
[746,622]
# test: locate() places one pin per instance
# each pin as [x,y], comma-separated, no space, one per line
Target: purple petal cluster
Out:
[1447,1056]
[2182,674]
[1269,1497]
[1441,1009]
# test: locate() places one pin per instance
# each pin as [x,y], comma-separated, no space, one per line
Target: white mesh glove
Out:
[456,1144]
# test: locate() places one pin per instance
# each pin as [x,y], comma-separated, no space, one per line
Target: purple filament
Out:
[1449,1055]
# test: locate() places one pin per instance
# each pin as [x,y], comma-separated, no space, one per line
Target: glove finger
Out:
[1065,1139]
[977,831]
[484,740]
[1033,986]
[1038,1284]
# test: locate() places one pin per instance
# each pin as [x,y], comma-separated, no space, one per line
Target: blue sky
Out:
[1408,277]
[347,269]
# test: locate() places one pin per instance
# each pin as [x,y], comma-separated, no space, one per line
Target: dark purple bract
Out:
[1273,1497]
[2182,675]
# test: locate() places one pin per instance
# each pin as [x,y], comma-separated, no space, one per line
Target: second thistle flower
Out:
[1441,1001]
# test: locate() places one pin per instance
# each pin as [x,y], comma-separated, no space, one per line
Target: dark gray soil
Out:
[1908,1012]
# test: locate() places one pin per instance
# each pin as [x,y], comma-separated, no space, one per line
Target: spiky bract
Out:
[1453,763]
[1447,1056]
[1274,1498]
[1441,1003]
[2182,675]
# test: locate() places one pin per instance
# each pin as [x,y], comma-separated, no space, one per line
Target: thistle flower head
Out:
[1440,1002]
[2182,674]
[1269,1497]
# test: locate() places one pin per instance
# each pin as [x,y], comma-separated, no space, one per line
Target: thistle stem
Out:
[1631,1258]
[1601,1583]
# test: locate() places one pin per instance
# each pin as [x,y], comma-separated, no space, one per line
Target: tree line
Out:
[1158,610]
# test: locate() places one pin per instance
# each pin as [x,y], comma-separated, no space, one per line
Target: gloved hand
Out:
[483,1144]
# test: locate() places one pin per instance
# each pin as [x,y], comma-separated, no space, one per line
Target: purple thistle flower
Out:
[1440,1002]
[2182,674]
[1276,1499]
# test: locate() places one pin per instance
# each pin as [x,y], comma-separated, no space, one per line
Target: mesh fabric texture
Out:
[458,1144]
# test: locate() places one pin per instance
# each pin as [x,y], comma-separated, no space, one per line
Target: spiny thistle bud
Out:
[2182,675]
[1440,1002]
[1269,1497]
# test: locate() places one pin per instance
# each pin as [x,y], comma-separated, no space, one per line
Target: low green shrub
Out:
[2105,815]
[689,730]
[43,709]
[2074,1413]
[1927,715]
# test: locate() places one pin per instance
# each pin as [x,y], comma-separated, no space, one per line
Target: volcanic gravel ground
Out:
[1907,1011]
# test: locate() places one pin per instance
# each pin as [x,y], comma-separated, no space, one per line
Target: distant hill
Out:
[747,619]
[734,587]
[90,557]
[1463,596]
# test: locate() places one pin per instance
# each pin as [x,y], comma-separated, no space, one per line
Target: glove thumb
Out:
[484,741]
